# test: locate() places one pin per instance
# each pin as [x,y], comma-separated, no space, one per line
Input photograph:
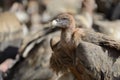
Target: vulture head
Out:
[64,20]
[63,55]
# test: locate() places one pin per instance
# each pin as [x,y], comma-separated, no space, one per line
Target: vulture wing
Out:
[101,40]
[96,63]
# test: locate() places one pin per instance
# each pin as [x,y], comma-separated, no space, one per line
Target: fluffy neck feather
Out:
[66,33]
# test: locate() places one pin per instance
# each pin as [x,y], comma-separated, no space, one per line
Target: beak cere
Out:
[54,23]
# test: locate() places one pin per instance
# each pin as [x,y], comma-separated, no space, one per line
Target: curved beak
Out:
[54,23]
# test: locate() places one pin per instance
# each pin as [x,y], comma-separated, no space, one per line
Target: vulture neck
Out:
[66,34]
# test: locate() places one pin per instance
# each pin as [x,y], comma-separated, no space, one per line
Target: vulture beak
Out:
[54,23]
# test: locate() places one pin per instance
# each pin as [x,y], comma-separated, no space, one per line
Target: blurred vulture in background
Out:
[33,9]
[10,39]
[55,7]
[19,10]
[110,28]
[12,32]
[110,8]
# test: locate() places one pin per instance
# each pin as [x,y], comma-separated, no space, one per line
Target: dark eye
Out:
[64,18]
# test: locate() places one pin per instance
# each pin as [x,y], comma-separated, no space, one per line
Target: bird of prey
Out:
[65,56]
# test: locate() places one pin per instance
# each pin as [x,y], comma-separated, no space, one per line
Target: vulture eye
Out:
[64,18]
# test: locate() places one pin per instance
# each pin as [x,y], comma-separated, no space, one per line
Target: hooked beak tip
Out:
[54,23]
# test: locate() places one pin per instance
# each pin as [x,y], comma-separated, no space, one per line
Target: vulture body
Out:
[11,36]
[76,48]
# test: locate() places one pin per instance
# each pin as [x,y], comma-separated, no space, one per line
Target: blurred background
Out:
[25,32]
